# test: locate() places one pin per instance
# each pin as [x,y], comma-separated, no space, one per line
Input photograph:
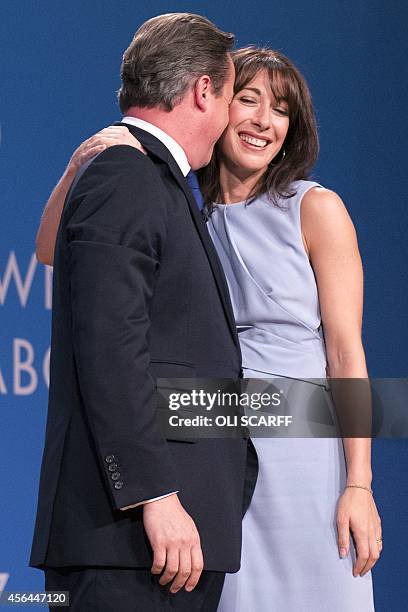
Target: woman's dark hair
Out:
[301,146]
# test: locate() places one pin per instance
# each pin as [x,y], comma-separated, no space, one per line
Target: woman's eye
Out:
[247,100]
[282,111]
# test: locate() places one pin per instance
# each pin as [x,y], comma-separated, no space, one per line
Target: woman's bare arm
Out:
[47,232]
[331,242]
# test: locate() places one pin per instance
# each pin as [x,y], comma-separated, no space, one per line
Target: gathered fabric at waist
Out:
[273,354]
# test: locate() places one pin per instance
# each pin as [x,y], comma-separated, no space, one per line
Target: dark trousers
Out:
[130,590]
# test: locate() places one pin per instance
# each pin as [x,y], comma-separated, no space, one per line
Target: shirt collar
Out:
[175,149]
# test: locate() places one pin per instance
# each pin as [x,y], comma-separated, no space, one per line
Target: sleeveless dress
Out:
[290,559]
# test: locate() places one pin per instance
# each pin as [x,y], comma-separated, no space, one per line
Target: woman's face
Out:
[257,128]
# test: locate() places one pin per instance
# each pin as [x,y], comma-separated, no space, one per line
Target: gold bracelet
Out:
[354,486]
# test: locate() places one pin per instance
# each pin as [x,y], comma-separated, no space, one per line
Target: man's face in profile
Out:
[220,110]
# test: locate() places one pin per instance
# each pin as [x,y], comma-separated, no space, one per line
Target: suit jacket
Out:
[138,294]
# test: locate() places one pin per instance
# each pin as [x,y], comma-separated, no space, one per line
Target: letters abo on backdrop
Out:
[17,280]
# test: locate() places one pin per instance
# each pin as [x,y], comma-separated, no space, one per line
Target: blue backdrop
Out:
[59,73]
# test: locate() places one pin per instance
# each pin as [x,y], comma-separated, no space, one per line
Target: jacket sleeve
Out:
[115,231]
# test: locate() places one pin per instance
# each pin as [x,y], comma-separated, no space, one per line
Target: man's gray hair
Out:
[167,55]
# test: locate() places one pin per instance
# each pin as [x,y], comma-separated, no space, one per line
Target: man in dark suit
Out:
[138,295]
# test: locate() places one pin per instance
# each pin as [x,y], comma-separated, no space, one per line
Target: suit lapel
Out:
[155,146]
[209,248]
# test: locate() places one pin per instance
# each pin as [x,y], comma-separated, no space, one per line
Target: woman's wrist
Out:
[350,487]
[360,477]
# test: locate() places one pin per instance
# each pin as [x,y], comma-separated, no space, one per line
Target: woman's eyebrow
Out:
[254,89]
[258,92]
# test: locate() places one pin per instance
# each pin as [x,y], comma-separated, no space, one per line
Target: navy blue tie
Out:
[195,188]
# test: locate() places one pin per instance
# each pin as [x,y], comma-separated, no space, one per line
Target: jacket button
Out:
[110,458]
[112,467]
[115,475]
[118,484]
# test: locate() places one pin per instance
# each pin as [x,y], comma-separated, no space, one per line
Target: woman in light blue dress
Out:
[290,256]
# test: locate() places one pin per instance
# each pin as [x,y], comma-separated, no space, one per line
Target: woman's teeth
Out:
[257,142]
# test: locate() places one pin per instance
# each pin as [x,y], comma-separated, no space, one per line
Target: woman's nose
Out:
[262,118]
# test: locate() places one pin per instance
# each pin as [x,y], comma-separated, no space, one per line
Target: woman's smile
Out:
[253,142]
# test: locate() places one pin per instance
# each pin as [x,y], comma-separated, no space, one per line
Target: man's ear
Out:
[202,91]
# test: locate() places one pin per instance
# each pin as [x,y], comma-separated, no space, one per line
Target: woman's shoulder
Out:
[324,212]
[312,196]
[295,192]
[303,186]
[319,200]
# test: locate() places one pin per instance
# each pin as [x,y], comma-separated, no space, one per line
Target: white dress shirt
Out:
[175,149]
[181,159]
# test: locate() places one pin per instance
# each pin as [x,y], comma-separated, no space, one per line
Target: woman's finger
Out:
[378,529]
[110,137]
[362,551]
[374,555]
[91,152]
[113,132]
[343,535]
[123,129]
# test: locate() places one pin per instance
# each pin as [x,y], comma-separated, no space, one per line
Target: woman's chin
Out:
[253,168]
